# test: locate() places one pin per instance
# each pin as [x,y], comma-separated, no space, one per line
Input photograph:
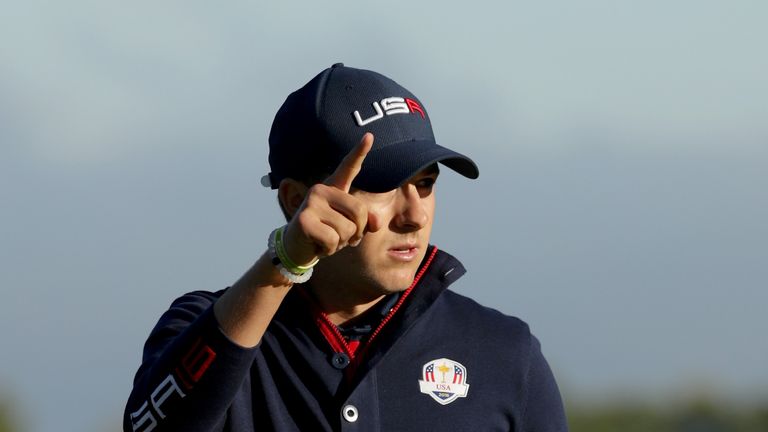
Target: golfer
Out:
[346,321]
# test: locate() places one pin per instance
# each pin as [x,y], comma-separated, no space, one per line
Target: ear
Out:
[291,194]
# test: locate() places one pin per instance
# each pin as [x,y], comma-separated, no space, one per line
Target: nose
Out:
[411,214]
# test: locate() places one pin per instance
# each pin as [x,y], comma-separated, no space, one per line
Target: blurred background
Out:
[621,208]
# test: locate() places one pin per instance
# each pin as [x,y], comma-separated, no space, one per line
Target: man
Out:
[345,322]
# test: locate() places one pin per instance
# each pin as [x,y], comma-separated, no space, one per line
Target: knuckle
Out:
[312,193]
[316,190]
[350,229]
[316,200]
[331,243]
[310,200]
[304,218]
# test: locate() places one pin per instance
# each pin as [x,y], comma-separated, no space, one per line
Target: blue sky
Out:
[620,210]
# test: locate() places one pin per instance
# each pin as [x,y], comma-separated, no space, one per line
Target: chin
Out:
[396,283]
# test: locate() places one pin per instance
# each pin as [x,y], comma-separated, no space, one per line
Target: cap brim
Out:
[386,168]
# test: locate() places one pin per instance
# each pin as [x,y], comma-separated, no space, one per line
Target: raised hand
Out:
[330,218]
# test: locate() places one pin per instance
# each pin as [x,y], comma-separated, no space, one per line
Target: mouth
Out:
[403,252]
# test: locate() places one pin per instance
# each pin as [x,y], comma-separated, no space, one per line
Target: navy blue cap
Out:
[320,123]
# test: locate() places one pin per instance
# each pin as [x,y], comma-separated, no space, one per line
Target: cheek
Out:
[372,247]
[367,254]
[430,207]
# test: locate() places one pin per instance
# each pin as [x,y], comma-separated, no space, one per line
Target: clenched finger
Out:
[353,209]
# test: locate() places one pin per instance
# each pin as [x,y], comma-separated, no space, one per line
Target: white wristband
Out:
[293,277]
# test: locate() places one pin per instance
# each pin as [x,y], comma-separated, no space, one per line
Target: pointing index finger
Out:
[351,165]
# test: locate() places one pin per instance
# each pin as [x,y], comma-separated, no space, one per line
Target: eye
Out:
[426,183]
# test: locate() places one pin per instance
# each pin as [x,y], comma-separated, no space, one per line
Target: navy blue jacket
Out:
[439,361]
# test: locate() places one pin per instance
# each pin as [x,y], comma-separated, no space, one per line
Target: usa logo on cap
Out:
[444,380]
[391,105]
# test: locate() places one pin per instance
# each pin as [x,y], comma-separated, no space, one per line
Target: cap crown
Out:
[321,122]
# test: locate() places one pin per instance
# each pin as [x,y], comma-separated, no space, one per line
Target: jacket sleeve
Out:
[190,372]
[543,410]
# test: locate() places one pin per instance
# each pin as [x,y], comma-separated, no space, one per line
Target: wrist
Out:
[293,272]
[299,251]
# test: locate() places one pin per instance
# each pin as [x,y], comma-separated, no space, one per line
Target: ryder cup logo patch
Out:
[444,380]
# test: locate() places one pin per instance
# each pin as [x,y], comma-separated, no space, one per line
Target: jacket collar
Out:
[438,270]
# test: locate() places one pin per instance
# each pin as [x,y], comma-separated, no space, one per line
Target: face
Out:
[387,260]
